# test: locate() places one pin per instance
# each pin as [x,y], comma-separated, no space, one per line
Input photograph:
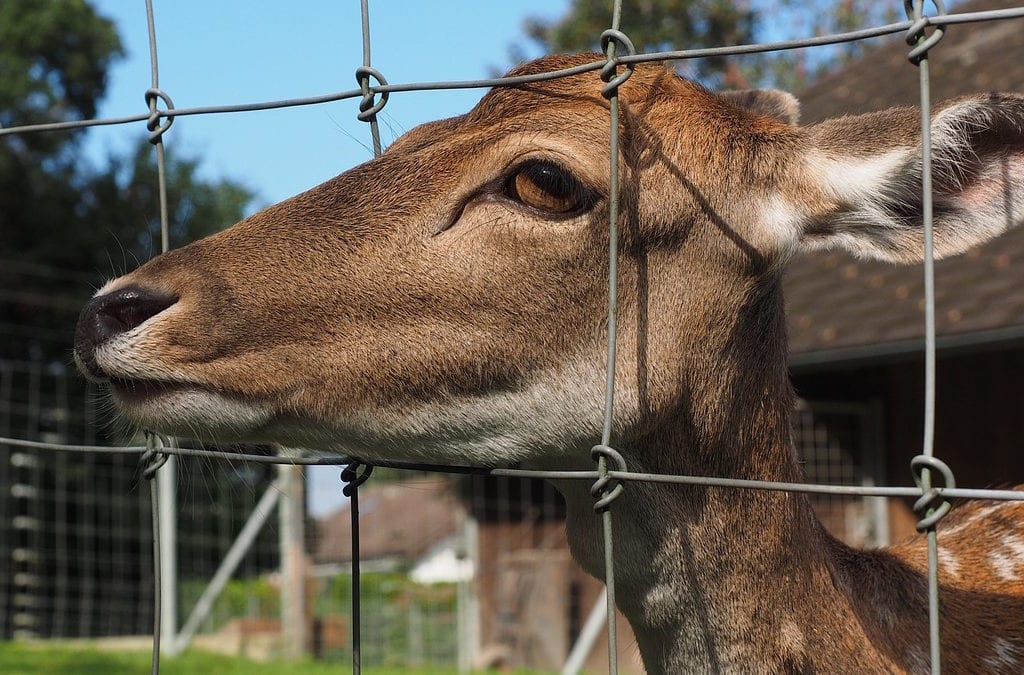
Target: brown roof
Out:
[837,303]
[971,57]
[397,520]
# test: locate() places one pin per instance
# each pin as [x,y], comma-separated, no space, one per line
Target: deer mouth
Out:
[157,403]
[141,391]
[188,409]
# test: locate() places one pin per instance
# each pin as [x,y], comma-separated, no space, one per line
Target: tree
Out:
[654,26]
[82,228]
[54,58]
[661,25]
[120,208]
[66,226]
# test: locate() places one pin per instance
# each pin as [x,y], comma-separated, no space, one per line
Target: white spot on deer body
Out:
[972,521]
[1016,546]
[949,562]
[1008,557]
[1004,565]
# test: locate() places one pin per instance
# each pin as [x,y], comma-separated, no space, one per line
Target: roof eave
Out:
[860,355]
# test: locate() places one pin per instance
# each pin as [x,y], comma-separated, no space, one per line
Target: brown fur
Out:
[408,309]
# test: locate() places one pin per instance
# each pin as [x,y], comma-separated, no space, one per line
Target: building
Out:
[857,327]
[403,525]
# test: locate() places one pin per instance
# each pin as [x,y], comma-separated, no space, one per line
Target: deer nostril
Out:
[118,312]
[109,315]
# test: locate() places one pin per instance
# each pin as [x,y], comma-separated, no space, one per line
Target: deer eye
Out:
[548,187]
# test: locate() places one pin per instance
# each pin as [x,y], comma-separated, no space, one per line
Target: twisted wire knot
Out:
[931,506]
[368,106]
[916,33]
[154,457]
[156,128]
[354,475]
[606,489]
[609,73]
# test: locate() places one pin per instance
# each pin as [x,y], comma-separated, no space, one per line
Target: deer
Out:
[446,302]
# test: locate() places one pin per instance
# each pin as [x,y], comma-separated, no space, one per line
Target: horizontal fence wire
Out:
[680,55]
[315,459]
[159,118]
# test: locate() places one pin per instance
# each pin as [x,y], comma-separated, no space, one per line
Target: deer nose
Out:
[107,316]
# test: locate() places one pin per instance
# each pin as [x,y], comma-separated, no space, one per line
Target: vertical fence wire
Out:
[609,403]
[919,56]
[357,638]
[157,131]
[354,475]
[363,76]
[368,109]
[156,138]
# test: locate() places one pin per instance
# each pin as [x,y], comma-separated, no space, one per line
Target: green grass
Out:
[45,658]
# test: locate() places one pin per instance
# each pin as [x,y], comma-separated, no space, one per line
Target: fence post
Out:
[293,560]
[167,486]
[466,608]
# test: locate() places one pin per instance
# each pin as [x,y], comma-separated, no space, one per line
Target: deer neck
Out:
[715,579]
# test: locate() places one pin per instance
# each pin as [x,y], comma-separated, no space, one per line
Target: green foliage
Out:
[795,19]
[241,598]
[46,658]
[96,218]
[662,25]
[54,58]
[67,230]
[384,587]
[403,623]
[653,26]
[66,226]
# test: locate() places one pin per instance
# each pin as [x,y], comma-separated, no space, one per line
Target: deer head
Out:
[447,300]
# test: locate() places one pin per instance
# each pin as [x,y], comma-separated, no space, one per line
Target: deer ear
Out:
[867,170]
[779,105]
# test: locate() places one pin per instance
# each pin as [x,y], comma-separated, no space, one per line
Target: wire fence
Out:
[935,484]
[74,528]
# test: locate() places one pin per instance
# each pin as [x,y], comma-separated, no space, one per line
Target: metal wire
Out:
[619,58]
[919,57]
[351,476]
[156,129]
[836,38]
[624,476]
[602,489]
[368,109]
[156,137]
[149,463]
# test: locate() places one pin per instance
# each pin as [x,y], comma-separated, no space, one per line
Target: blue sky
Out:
[229,51]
